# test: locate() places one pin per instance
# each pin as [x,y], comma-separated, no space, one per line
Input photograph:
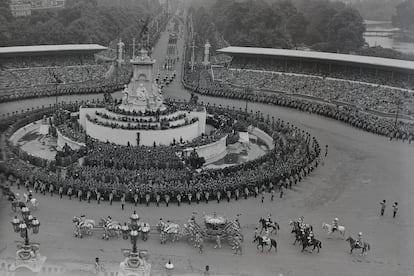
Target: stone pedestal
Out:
[28,259]
[134,265]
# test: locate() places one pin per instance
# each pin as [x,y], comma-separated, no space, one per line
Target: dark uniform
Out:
[70,193]
[51,188]
[88,196]
[157,199]
[60,191]
[179,199]
[111,198]
[147,198]
[80,193]
[198,197]
[136,197]
[246,192]
[36,186]
[167,199]
[123,201]
[98,197]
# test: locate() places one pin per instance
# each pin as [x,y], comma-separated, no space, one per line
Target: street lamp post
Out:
[27,255]
[135,263]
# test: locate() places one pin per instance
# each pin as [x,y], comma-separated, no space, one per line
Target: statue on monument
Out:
[126,95]
[141,93]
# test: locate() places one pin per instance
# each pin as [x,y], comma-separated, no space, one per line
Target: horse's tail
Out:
[368,246]
[278,227]
[320,244]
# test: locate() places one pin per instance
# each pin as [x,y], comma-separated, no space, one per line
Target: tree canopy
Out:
[404,16]
[319,24]
[81,21]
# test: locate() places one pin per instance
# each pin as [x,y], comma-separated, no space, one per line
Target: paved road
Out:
[361,169]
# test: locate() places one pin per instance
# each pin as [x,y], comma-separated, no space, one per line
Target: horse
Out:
[169,230]
[353,244]
[269,224]
[34,203]
[262,242]
[84,226]
[315,243]
[199,243]
[17,204]
[340,229]
[111,228]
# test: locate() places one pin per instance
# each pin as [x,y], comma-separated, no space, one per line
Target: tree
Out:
[296,26]
[345,31]
[404,17]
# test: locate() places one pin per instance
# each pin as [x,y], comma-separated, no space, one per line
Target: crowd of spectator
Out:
[40,76]
[387,126]
[365,96]
[348,72]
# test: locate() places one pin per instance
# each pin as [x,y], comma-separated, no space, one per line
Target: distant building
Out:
[25,7]
[20,8]
[47,4]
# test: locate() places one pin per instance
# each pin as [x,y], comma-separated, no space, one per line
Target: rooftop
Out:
[44,49]
[321,56]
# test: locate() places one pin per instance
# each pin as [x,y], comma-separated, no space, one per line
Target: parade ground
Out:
[360,170]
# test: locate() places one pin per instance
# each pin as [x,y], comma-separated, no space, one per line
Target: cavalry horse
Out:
[33,201]
[269,224]
[315,243]
[353,244]
[341,229]
[262,241]
[83,226]
[111,228]
[17,204]
[168,230]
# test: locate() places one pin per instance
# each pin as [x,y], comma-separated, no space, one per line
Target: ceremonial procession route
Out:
[361,170]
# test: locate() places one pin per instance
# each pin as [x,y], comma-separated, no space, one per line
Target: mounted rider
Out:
[359,241]
[266,238]
[310,237]
[301,223]
[269,219]
[335,224]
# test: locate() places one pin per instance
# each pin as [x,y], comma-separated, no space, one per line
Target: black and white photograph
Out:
[206,137]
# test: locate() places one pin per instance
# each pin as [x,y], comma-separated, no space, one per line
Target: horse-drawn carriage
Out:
[215,226]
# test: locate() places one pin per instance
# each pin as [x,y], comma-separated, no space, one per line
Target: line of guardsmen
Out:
[138,197]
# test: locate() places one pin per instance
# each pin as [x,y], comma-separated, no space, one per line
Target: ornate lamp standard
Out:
[27,254]
[135,263]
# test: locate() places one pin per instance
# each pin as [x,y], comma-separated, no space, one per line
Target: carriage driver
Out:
[335,223]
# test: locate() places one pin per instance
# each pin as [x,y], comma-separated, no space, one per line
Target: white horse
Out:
[83,226]
[34,203]
[341,229]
